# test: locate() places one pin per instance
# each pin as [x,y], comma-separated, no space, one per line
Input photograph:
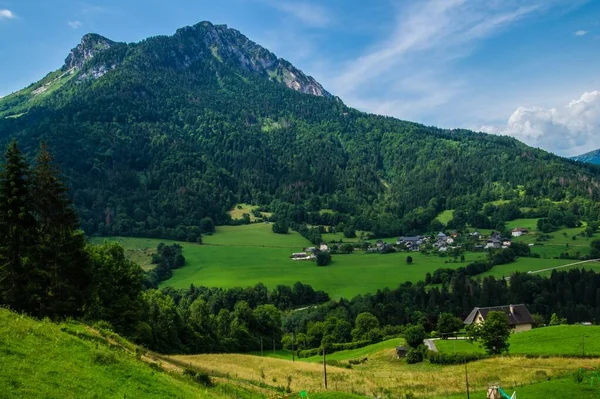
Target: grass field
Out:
[238,212]
[139,250]
[240,256]
[445,216]
[384,374]
[255,235]
[346,276]
[346,355]
[565,387]
[40,359]
[530,224]
[547,341]
[525,265]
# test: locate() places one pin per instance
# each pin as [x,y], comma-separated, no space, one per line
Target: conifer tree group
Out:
[44,270]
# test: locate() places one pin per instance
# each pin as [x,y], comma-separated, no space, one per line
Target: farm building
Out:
[302,256]
[519,317]
[401,351]
[519,231]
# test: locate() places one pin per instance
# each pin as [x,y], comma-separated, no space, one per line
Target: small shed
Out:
[401,351]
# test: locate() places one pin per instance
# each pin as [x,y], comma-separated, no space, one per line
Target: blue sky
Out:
[527,68]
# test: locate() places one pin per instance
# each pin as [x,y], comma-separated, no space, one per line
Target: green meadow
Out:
[240,256]
[572,340]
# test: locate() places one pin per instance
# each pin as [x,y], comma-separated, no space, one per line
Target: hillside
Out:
[43,359]
[157,135]
[592,157]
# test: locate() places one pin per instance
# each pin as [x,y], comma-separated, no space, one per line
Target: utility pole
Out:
[273,346]
[324,370]
[261,347]
[582,345]
[293,340]
[467,380]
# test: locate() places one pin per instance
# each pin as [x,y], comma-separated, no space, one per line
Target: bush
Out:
[200,378]
[453,358]
[280,227]
[416,355]
[409,259]
[333,348]
[104,357]
[414,336]
[323,258]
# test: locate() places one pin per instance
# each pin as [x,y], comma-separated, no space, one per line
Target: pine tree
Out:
[61,245]
[21,281]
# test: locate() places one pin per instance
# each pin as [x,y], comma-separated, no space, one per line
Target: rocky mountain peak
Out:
[91,44]
[229,45]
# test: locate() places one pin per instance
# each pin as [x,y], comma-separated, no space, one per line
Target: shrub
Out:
[453,358]
[323,258]
[333,348]
[416,355]
[104,357]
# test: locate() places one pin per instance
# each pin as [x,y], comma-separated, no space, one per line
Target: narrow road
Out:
[563,266]
[430,344]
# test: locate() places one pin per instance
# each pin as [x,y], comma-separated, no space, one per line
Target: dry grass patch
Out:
[384,374]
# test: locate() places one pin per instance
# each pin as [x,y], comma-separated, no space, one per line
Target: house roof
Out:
[517,314]
[416,238]
[440,234]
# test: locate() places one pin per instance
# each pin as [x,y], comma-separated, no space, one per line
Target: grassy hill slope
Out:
[40,359]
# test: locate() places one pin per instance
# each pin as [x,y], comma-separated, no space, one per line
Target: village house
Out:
[411,243]
[519,231]
[496,235]
[519,317]
[493,243]
[323,247]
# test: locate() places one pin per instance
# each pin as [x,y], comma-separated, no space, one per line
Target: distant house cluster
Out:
[309,253]
[442,242]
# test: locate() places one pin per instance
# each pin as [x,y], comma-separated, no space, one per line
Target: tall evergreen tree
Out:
[21,280]
[61,245]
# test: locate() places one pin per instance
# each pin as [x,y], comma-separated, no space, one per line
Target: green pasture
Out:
[572,340]
[445,216]
[530,224]
[346,276]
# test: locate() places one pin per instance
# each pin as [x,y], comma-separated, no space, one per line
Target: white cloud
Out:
[568,130]
[74,24]
[581,32]
[6,14]
[310,14]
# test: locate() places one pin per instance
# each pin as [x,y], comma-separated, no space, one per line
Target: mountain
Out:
[592,157]
[157,135]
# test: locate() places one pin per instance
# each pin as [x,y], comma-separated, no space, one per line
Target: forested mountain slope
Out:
[590,157]
[156,135]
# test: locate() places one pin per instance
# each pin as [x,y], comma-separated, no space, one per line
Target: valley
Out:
[245,255]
